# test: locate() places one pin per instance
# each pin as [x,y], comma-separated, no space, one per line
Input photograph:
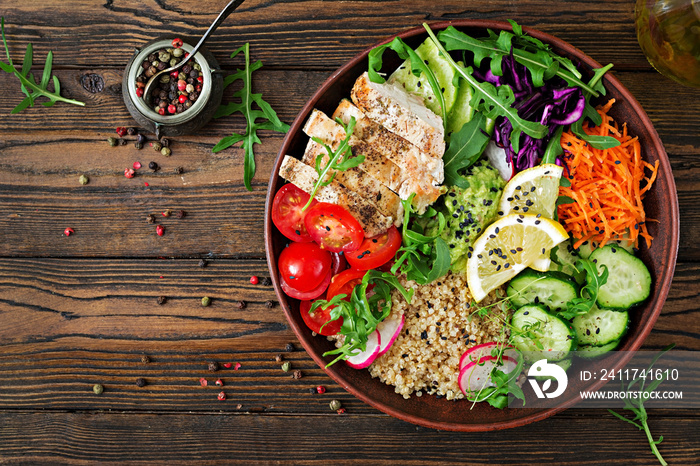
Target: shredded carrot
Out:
[607,186]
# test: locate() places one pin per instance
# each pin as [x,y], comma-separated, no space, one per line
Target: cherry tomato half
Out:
[304,265]
[339,262]
[313,294]
[318,319]
[375,251]
[344,282]
[333,227]
[287,215]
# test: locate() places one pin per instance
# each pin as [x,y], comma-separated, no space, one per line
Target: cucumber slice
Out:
[551,289]
[599,327]
[532,325]
[564,258]
[587,248]
[419,85]
[590,352]
[629,280]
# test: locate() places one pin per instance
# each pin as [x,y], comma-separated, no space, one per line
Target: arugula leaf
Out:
[466,146]
[337,160]
[361,313]
[29,86]
[589,293]
[553,149]
[636,405]
[245,106]
[489,99]
[418,66]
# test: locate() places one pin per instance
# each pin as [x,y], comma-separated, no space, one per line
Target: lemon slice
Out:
[532,191]
[506,247]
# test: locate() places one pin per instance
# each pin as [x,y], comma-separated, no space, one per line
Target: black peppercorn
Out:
[269,304]
[180,214]
[122,142]
[161,300]
[179,170]
[165,142]
[151,218]
[141,138]
[297,374]
[145,359]
[312,390]
[266,281]
[141,382]
[213,366]
[202,263]
[153,166]
[131,131]
[289,348]
[278,358]
[241,304]
[138,145]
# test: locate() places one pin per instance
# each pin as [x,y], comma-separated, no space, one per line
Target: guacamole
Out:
[469,210]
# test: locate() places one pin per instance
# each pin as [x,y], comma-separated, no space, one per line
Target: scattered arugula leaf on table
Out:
[245,106]
[636,405]
[30,88]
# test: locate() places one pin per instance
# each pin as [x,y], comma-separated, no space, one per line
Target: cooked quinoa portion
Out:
[438,329]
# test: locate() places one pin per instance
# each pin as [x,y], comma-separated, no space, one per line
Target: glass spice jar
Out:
[185,122]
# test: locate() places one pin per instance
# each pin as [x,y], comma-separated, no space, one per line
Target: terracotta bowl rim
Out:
[664,172]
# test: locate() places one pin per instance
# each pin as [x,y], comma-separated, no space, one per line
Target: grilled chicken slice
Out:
[375,165]
[366,213]
[425,173]
[401,113]
[354,179]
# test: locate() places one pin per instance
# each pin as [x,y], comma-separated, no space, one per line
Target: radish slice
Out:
[497,158]
[477,374]
[366,357]
[483,350]
[389,330]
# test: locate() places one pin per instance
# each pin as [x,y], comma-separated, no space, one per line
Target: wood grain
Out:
[183,438]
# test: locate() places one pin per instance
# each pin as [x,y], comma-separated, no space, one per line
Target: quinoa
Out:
[439,327]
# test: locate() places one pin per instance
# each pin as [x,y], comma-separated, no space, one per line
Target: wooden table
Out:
[82,310]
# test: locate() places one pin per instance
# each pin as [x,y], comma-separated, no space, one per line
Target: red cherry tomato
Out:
[339,262]
[287,215]
[376,251]
[317,321]
[304,265]
[344,282]
[313,294]
[333,228]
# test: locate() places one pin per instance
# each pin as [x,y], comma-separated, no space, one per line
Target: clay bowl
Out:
[661,204]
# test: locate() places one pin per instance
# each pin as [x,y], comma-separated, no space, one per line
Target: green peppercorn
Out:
[189,88]
[177,52]
[286,366]
[173,61]
[83,179]
[206,301]
[166,151]
[98,389]
[197,67]
[164,56]
[165,79]
[157,146]
[335,405]
[112,141]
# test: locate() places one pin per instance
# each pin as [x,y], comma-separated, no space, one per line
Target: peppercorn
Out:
[269,304]
[150,218]
[112,141]
[161,300]
[153,166]
[145,359]
[82,179]
[202,263]
[241,304]
[221,396]
[278,358]
[156,146]
[165,151]
[141,138]
[98,389]
[165,142]
[321,389]
[297,374]
[341,411]
[180,214]
[219,382]
[138,145]
[160,230]
[122,142]
[166,213]
[131,131]
[140,382]
[289,348]
[335,405]
[312,390]
[266,281]
[253,280]
[286,366]
[206,301]
[213,366]
[179,170]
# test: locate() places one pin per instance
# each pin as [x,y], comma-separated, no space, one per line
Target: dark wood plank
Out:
[110,438]
[300,34]
[68,324]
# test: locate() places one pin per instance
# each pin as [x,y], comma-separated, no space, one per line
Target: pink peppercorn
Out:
[172,108]
[219,382]
[175,74]
[182,99]
[203,382]
[129,172]
[221,396]
[68,231]
[237,366]
[121,131]
[321,389]
[181,85]
[253,280]
[139,92]
[227,365]
[177,43]
[137,165]
[160,230]
[161,111]
[341,411]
